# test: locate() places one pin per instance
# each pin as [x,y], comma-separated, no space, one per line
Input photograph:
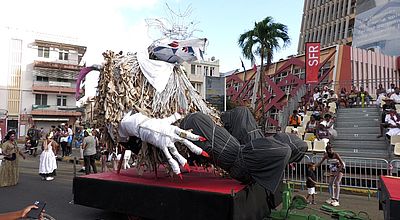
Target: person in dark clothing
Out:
[34,136]
[310,183]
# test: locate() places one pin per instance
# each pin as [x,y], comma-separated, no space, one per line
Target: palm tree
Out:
[263,40]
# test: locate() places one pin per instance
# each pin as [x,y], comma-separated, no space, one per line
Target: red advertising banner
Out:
[313,52]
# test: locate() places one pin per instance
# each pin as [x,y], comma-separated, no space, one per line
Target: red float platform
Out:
[200,195]
[389,197]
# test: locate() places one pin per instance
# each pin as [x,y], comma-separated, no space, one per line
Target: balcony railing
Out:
[53,65]
[54,84]
[54,110]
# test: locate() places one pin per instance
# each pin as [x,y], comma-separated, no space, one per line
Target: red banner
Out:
[313,52]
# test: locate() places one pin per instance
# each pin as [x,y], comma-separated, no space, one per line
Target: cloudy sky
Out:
[120,24]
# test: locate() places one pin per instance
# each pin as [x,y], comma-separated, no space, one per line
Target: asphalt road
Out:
[56,193]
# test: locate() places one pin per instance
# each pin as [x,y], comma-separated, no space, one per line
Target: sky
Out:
[121,25]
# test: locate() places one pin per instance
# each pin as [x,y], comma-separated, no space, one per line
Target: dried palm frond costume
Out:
[155,88]
[127,83]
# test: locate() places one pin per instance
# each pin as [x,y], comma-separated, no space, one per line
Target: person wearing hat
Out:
[389,105]
[393,121]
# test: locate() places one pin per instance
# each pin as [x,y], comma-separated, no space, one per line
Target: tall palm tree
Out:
[265,38]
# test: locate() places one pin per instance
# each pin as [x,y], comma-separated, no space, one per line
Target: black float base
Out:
[200,195]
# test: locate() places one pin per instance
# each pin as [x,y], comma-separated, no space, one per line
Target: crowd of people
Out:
[54,144]
[322,120]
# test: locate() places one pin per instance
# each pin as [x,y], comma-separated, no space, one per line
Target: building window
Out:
[212,71]
[193,69]
[198,70]
[44,52]
[61,100]
[63,55]
[62,80]
[206,70]
[42,78]
[40,99]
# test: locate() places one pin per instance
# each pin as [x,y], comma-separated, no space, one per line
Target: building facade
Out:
[198,70]
[330,22]
[41,71]
[341,67]
[206,79]
[365,24]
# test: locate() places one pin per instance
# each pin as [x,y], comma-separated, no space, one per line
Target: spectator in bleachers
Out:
[391,89]
[343,97]
[396,96]
[362,97]
[393,122]
[327,110]
[380,90]
[301,110]
[333,97]
[322,133]
[303,101]
[310,105]
[386,108]
[325,94]
[380,98]
[328,122]
[308,95]
[352,97]
[294,119]
[311,126]
[316,94]
[317,113]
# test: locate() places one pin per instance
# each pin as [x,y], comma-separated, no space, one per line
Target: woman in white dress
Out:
[48,163]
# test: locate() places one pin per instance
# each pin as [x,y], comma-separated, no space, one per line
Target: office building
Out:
[39,72]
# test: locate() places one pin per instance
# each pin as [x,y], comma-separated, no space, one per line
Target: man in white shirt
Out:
[391,89]
[396,96]
[394,123]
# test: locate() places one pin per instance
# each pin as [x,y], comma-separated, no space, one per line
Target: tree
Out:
[265,38]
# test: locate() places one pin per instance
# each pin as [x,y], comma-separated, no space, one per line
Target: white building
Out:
[39,73]
[207,80]
[198,70]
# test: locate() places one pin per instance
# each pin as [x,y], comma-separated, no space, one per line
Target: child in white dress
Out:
[48,163]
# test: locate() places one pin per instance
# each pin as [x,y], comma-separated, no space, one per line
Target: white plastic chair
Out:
[319,146]
[309,145]
[394,139]
[288,129]
[301,131]
[307,136]
[306,118]
[397,149]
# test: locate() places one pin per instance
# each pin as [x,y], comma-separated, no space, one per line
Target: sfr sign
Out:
[313,52]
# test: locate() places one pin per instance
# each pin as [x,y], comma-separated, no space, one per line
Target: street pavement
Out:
[59,198]
[348,201]
[57,193]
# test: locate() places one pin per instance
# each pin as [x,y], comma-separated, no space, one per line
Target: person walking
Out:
[336,170]
[89,152]
[310,183]
[48,163]
[34,137]
[9,170]
[64,140]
